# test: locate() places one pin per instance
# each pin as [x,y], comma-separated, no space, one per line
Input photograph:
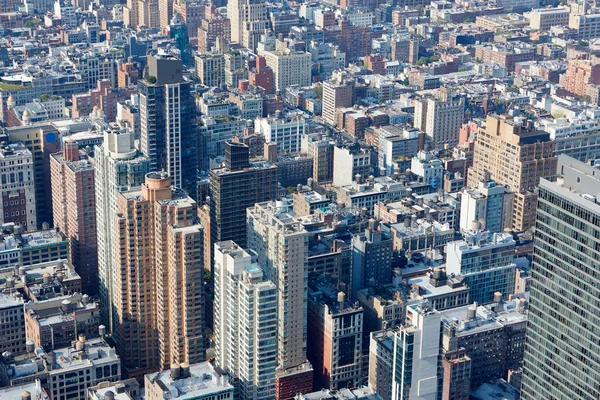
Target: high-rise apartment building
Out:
[440,119]
[210,69]
[514,154]
[282,246]
[237,185]
[248,19]
[74,204]
[335,95]
[159,305]
[562,338]
[118,167]
[168,121]
[416,355]
[245,320]
[18,202]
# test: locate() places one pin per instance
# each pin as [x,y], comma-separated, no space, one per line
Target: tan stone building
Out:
[159,304]
[516,156]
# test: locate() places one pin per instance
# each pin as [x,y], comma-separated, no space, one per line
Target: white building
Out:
[286,132]
[17,178]
[281,242]
[186,382]
[588,25]
[416,353]
[348,162]
[245,315]
[290,68]
[429,168]
[485,208]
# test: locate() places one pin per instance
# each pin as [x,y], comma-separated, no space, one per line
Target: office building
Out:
[165,10]
[515,155]
[281,242]
[543,19]
[210,69]
[168,121]
[381,358]
[335,327]
[417,355]
[185,381]
[118,166]
[12,324]
[292,381]
[159,307]
[440,118]
[74,205]
[488,207]
[234,187]
[290,68]
[486,261]
[456,367]
[18,203]
[587,26]
[560,356]
[245,317]
[371,259]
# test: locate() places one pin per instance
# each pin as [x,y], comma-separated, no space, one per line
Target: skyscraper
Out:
[118,167]
[282,246]
[165,11]
[168,121]
[237,185]
[245,310]
[440,119]
[74,204]
[561,355]
[159,304]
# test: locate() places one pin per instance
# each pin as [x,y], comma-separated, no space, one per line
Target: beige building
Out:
[210,69]
[248,21]
[588,26]
[290,68]
[544,18]
[320,149]
[440,118]
[159,304]
[281,242]
[517,156]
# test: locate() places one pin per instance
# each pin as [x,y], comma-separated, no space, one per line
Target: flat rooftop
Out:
[203,380]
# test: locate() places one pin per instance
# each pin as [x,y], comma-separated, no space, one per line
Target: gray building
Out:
[371,259]
[12,325]
[561,356]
